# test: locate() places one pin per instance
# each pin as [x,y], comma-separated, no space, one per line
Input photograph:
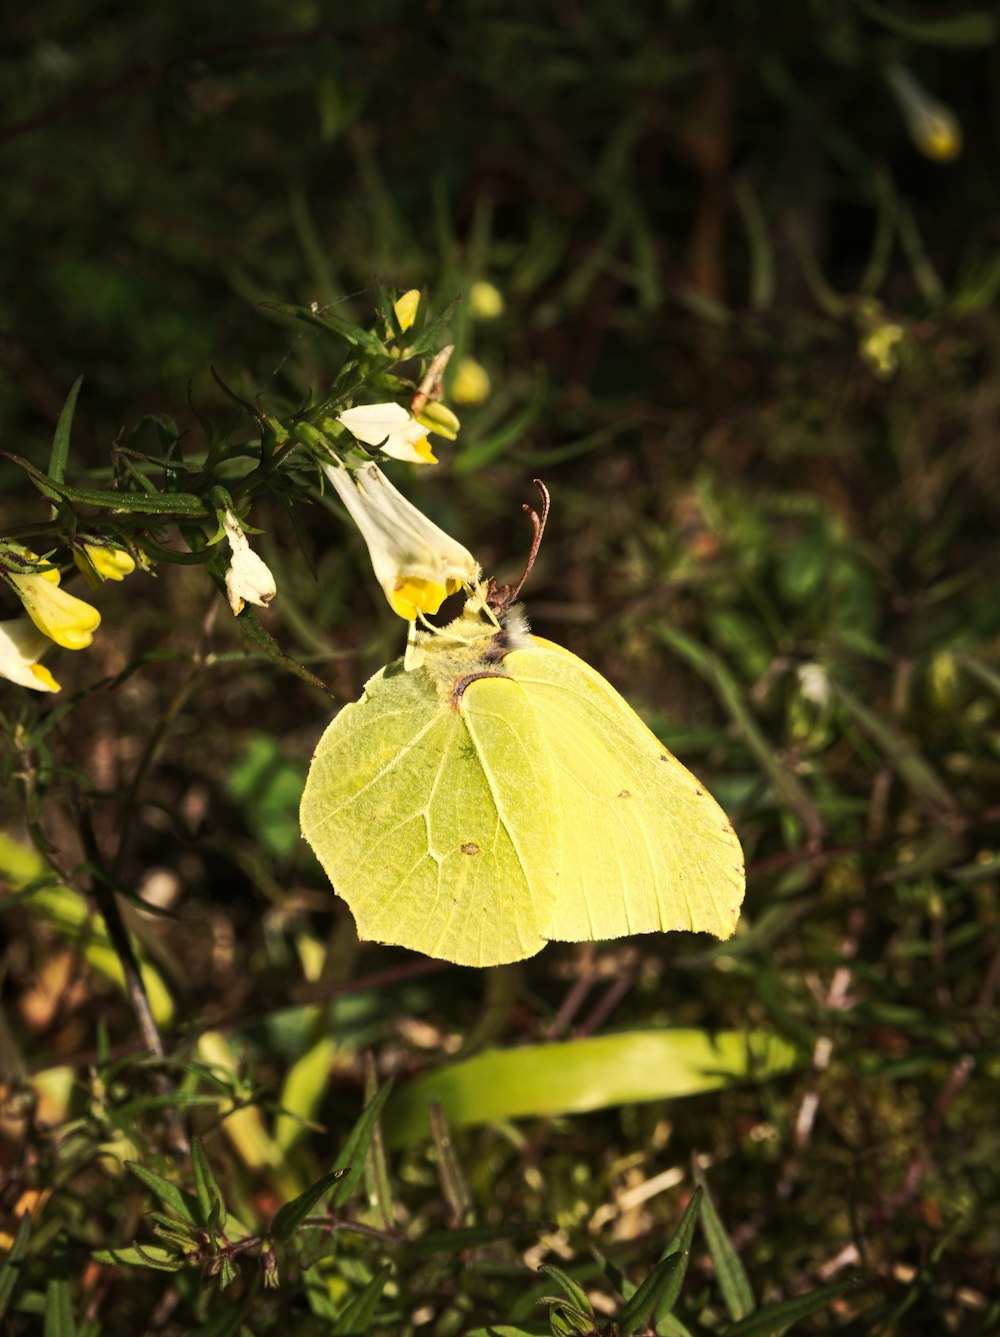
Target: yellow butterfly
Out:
[491,792]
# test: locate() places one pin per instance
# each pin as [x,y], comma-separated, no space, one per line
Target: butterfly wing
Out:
[642,845]
[432,829]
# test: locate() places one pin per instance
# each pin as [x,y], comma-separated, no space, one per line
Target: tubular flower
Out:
[108,562]
[64,618]
[248,577]
[391,429]
[21,646]
[933,126]
[417,564]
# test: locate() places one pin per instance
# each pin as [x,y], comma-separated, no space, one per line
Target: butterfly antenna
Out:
[538,524]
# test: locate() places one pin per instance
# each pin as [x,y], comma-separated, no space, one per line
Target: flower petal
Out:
[64,618]
[248,577]
[21,645]
[417,564]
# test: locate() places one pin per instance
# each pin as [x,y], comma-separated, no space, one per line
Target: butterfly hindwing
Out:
[642,845]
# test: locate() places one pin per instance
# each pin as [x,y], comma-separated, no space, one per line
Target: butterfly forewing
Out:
[424,826]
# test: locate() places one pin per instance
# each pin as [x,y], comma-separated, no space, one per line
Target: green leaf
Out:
[640,1310]
[184,1204]
[58,1313]
[733,1280]
[222,1324]
[288,1218]
[213,1208]
[733,698]
[575,1293]
[625,1288]
[899,752]
[777,1318]
[510,1330]
[357,1315]
[342,330]
[153,1255]
[60,441]
[579,1075]
[680,1243]
[355,1149]
[10,1270]
[973,29]
[174,503]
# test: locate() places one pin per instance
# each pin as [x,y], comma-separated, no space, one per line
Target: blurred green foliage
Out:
[749,339]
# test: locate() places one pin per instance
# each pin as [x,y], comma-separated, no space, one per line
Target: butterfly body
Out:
[494,792]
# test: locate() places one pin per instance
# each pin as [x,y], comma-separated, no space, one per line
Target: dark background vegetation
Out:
[780,546]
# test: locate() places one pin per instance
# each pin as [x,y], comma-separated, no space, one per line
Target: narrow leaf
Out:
[733,1280]
[153,1255]
[776,1318]
[288,1218]
[899,752]
[733,698]
[355,1149]
[223,1324]
[680,1245]
[10,1271]
[575,1293]
[184,1204]
[58,1314]
[639,1311]
[974,28]
[357,1315]
[213,1209]
[509,1330]
[453,1183]
[376,1165]
[579,1075]
[60,441]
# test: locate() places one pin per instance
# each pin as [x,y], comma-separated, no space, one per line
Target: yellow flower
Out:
[878,349]
[248,577]
[417,564]
[933,126]
[110,563]
[64,618]
[21,646]
[436,417]
[471,384]
[405,308]
[485,301]
[391,429]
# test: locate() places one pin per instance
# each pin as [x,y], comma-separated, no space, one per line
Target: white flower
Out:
[417,564]
[814,683]
[248,579]
[391,429]
[21,646]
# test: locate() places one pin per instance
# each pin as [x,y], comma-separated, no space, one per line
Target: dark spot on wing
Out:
[700,793]
[664,757]
[624,794]
[470,847]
